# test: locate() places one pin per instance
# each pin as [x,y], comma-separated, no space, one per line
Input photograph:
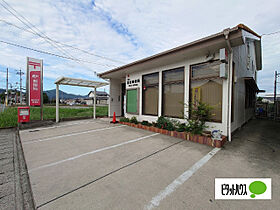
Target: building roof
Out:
[270,95]
[233,37]
[98,93]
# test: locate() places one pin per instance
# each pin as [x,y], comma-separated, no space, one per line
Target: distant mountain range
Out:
[62,95]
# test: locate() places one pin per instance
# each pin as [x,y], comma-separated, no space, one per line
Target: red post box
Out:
[23,114]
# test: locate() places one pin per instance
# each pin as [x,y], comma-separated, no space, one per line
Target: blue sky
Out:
[125,31]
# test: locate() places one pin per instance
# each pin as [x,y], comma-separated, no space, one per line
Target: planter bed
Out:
[182,135]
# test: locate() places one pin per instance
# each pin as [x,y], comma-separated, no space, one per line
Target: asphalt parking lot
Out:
[96,165]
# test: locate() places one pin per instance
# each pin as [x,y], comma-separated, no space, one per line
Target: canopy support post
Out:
[94,104]
[57,103]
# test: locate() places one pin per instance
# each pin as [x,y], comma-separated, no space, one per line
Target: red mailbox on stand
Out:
[23,114]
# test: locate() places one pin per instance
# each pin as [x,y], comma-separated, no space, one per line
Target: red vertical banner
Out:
[34,67]
[35,88]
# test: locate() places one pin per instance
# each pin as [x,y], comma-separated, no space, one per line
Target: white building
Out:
[269,97]
[101,98]
[220,70]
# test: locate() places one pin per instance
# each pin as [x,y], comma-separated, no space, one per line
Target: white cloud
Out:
[130,30]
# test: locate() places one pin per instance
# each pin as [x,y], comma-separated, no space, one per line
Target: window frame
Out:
[162,91]
[251,99]
[143,75]
[190,88]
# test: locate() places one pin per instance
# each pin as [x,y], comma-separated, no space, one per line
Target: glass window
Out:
[150,94]
[173,93]
[250,96]
[206,70]
[207,87]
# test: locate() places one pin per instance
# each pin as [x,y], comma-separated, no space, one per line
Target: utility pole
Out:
[275,94]
[7,87]
[16,94]
[20,83]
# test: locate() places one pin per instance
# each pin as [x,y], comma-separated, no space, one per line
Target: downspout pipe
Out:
[229,47]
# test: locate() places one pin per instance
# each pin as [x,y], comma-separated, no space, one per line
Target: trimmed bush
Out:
[145,122]
[165,123]
[134,120]
[181,127]
[124,119]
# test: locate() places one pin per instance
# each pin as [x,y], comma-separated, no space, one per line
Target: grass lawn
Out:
[8,118]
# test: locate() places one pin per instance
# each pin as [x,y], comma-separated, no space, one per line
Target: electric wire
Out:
[30,26]
[272,33]
[50,53]
[45,36]
[66,45]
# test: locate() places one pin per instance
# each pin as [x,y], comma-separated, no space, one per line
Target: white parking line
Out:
[71,134]
[180,180]
[92,152]
[56,126]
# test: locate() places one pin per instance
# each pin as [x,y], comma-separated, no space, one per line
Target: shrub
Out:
[145,122]
[200,113]
[195,127]
[154,124]
[124,119]
[134,120]
[165,123]
[181,127]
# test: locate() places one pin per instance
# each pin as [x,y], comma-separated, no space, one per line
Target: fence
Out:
[266,110]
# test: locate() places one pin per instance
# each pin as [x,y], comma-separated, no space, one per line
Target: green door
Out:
[131,101]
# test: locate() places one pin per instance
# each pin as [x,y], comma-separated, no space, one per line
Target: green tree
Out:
[260,99]
[2,98]
[45,98]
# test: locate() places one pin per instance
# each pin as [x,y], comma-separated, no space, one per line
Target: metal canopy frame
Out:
[80,83]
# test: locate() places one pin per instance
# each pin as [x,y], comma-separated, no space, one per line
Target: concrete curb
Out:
[18,190]
[24,195]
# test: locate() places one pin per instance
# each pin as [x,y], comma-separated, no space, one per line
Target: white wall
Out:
[115,97]
[242,69]
[186,64]
[241,115]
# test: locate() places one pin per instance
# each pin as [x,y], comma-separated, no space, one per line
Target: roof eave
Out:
[233,30]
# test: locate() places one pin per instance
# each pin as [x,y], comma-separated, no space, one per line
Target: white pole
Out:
[7,87]
[94,104]
[20,81]
[57,103]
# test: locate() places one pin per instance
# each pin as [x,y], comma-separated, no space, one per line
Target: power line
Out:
[29,26]
[45,37]
[66,45]
[48,38]
[9,72]
[52,54]
[276,32]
